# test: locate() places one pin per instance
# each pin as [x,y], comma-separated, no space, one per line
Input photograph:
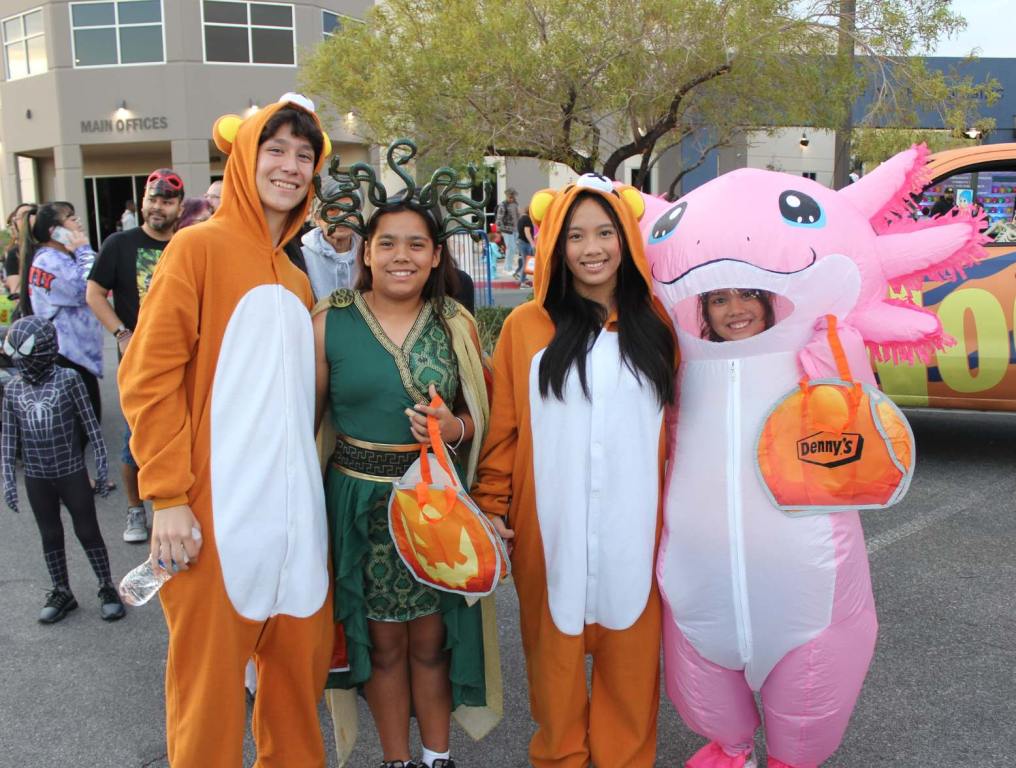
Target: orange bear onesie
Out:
[580,484]
[218,388]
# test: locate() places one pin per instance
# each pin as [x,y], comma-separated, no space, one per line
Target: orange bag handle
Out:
[853,399]
[427,478]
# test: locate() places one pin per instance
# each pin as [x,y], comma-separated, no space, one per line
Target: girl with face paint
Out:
[45,407]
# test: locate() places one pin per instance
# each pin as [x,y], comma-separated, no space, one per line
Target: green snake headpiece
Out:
[447,196]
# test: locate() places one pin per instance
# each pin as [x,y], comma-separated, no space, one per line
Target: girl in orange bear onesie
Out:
[218,388]
[573,463]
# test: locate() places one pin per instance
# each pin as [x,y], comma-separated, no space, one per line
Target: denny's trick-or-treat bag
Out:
[835,444]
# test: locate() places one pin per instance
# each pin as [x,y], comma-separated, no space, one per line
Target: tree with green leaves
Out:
[592,83]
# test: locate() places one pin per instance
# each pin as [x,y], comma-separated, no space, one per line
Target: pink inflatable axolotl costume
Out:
[756,600]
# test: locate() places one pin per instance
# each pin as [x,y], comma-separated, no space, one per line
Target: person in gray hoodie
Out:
[331,257]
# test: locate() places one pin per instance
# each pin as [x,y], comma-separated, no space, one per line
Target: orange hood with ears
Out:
[238,138]
[549,209]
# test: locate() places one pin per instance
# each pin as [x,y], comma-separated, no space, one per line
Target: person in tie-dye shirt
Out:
[55,281]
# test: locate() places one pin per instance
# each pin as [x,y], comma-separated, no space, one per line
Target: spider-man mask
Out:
[31,344]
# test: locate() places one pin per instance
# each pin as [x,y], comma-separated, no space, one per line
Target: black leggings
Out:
[77,495]
[91,384]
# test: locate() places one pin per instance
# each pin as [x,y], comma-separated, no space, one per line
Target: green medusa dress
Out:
[371,383]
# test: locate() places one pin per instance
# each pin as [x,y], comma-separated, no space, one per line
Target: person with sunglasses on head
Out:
[56,265]
[124,266]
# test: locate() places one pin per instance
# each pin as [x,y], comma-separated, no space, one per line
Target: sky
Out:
[991,27]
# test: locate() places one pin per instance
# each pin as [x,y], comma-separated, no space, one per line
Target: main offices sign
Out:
[125,125]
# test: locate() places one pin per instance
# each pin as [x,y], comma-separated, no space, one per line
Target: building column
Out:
[10,193]
[70,179]
[190,160]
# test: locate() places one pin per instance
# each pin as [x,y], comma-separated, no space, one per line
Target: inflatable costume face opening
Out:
[735,313]
[31,344]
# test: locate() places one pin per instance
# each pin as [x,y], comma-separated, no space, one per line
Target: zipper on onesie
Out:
[735,523]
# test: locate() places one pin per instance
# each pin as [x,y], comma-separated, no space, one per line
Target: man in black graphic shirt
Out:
[124,266]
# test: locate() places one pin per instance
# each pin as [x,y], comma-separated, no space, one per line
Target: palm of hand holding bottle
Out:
[176,541]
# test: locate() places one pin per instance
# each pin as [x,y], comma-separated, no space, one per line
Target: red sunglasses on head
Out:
[169,178]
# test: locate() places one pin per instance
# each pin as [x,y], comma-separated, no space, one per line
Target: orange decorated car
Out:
[979,371]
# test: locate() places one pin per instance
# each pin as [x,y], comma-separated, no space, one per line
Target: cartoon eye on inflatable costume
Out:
[833,445]
[801,210]
[439,533]
[667,223]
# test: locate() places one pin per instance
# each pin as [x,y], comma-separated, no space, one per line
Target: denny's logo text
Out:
[828,449]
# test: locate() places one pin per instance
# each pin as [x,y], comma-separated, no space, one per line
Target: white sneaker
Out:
[136,530]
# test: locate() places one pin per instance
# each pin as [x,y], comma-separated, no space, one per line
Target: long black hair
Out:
[645,339]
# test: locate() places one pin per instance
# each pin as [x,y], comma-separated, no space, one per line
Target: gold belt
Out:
[376,462]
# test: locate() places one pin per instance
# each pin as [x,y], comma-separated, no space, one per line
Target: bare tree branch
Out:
[662,126]
[686,169]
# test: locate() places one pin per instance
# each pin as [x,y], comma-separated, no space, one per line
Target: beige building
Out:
[98,93]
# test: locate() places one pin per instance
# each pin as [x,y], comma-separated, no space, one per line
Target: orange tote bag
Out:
[835,444]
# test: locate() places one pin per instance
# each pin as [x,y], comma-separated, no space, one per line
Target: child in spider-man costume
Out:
[45,407]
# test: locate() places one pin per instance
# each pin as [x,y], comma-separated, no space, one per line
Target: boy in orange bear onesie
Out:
[218,388]
[573,461]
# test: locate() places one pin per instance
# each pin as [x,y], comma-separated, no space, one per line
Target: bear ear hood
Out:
[549,211]
[238,138]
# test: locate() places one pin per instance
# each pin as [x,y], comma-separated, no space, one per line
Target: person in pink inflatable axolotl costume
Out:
[754,599]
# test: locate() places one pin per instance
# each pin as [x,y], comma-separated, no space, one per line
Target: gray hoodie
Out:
[327,269]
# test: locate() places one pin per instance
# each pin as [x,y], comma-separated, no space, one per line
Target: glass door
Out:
[107,198]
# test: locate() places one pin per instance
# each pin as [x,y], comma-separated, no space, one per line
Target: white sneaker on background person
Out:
[137,528]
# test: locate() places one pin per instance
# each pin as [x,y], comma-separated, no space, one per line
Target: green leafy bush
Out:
[489,321]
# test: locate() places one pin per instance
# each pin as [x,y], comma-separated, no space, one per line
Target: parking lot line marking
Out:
[883,540]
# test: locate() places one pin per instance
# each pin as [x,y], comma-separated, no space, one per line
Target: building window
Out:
[113,33]
[24,44]
[239,32]
[333,23]
[330,23]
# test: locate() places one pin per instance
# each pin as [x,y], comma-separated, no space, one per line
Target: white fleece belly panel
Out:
[267,495]
[597,491]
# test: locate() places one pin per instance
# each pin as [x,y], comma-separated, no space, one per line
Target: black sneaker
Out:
[442,762]
[110,606]
[59,602]
[400,764]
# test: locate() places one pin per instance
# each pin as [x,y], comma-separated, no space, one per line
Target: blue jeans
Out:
[511,247]
[525,251]
[126,457]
